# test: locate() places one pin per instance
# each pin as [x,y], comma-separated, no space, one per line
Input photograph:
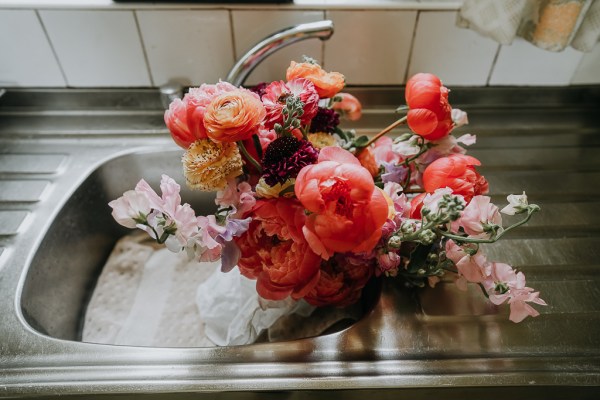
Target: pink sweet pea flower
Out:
[169,205]
[348,106]
[239,196]
[476,215]
[382,150]
[129,207]
[472,268]
[505,284]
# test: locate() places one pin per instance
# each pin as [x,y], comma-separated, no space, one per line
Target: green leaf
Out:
[361,141]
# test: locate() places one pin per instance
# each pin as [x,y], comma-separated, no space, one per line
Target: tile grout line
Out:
[146,60]
[412,46]
[323,42]
[232,32]
[60,67]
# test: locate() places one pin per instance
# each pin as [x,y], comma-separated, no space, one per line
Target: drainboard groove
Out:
[31,163]
[12,221]
[23,191]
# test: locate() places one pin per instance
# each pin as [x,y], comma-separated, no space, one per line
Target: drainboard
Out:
[56,233]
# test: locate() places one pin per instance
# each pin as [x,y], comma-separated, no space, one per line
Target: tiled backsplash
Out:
[126,46]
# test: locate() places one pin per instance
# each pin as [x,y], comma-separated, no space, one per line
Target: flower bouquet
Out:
[311,211]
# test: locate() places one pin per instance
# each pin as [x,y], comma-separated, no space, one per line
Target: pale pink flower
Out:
[239,196]
[276,94]
[130,207]
[516,204]
[472,268]
[401,202]
[173,212]
[348,106]
[505,284]
[477,215]
[459,117]
[446,146]
[382,150]
[431,200]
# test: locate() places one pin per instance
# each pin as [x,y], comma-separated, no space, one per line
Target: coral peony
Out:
[457,172]
[430,114]
[208,165]
[274,252]
[341,282]
[276,94]
[347,212]
[234,116]
[328,84]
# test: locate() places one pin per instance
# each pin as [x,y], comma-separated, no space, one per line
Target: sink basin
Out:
[66,266]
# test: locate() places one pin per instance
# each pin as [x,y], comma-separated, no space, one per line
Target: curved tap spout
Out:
[269,45]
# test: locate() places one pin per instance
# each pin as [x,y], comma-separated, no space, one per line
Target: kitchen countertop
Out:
[419,344]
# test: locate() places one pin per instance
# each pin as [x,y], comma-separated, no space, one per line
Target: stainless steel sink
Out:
[65,154]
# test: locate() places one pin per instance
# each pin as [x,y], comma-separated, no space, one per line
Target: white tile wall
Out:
[524,64]
[380,43]
[97,48]
[370,48]
[458,56]
[26,58]
[250,27]
[588,71]
[191,46]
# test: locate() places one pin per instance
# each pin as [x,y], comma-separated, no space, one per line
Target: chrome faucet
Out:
[269,45]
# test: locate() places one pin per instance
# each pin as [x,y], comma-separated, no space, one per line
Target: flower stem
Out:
[249,157]
[458,238]
[386,130]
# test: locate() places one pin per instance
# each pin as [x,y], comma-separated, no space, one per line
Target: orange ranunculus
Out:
[457,171]
[275,253]
[341,282]
[347,213]
[367,160]
[430,113]
[233,116]
[349,106]
[328,84]
[185,117]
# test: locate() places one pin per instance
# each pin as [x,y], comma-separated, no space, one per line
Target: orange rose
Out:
[274,252]
[328,84]
[233,116]
[347,212]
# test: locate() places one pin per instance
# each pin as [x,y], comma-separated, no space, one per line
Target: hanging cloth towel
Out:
[548,24]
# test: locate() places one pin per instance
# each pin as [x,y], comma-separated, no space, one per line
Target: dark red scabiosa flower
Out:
[326,121]
[285,157]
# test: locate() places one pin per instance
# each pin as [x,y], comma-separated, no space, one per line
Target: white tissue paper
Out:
[233,312]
